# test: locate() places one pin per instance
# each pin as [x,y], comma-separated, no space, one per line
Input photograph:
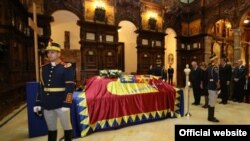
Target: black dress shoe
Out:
[213,119]
[205,106]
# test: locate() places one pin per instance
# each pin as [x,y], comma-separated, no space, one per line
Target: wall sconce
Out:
[152,23]
[246,21]
[100,11]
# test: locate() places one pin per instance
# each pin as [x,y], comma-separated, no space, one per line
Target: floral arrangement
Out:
[110,73]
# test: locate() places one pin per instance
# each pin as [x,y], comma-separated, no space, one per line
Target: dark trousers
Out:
[197,94]
[170,79]
[224,92]
[242,92]
[238,94]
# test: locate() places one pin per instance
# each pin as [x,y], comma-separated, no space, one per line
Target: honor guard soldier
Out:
[57,84]
[213,87]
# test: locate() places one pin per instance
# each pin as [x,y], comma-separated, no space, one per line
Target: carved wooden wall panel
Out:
[144,61]
[188,49]
[16,63]
[110,59]
[150,50]
[90,59]
[128,10]
[186,57]
[99,48]
[74,6]
[230,9]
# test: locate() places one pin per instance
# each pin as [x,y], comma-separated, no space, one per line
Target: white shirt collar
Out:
[53,63]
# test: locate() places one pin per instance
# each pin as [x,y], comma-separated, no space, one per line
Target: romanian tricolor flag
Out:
[109,103]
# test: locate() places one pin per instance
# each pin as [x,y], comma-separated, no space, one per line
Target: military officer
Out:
[213,87]
[57,83]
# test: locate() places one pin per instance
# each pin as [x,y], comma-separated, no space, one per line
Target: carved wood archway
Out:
[74,6]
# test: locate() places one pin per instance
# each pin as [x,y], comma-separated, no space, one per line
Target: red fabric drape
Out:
[104,105]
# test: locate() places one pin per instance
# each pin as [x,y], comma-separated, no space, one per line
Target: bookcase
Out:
[150,49]
[100,48]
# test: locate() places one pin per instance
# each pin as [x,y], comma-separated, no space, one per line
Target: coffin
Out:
[111,103]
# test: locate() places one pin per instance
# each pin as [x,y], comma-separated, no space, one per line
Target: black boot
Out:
[68,135]
[52,135]
[211,114]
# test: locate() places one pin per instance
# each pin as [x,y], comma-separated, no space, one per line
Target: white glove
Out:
[219,91]
[64,109]
[236,79]
[36,109]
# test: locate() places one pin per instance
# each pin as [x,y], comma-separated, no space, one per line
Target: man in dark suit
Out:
[239,82]
[163,74]
[196,82]
[170,75]
[225,72]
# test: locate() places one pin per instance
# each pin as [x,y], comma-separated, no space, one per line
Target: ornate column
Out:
[208,46]
[237,46]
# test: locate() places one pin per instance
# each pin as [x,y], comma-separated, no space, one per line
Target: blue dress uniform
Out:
[213,88]
[57,86]
[213,77]
[56,95]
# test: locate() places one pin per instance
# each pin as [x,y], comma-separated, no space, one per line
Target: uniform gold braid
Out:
[69,82]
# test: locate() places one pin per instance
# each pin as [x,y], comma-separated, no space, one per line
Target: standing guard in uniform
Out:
[56,96]
[213,87]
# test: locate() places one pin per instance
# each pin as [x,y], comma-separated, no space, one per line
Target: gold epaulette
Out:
[67,65]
